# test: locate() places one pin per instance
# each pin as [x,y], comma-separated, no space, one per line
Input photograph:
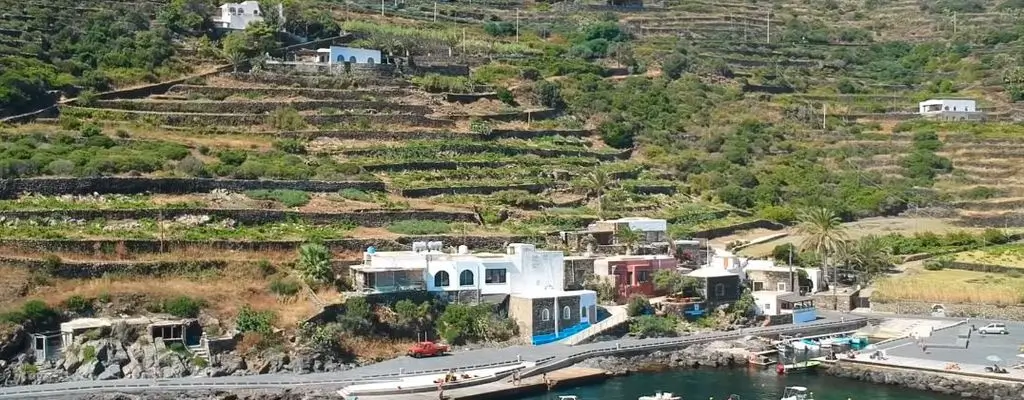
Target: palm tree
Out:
[595,185]
[869,255]
[824,234]
[628,237]
[315,263]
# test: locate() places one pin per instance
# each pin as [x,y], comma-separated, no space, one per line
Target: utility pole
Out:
[382,8]
[517,25]
[792,278]
[824,116]
[769,35]
[435,11]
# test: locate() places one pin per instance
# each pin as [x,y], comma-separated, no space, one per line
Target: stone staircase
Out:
[618,316]
[199,351]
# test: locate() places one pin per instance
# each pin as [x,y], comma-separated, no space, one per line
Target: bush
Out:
[177,347]
[617,135]
[505,96]
[284,286]
[77,304]
[190,166]
[549,95]
[637,305]
[291,146]
[288,197]
[29,369]
[200,362]
[286,119]
[461,323]
[648,326]
[521,199]
[34,312]
[356,195]
[183,306]
[249,320]
[780,214]
[435,83]
[88,353]
[419,227]
[995,236]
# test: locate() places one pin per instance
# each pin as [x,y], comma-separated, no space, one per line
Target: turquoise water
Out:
[750,384]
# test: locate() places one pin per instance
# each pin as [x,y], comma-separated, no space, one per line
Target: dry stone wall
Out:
[989,311]
[368,218]
[11,188]
[315,93]
[484,189]
[258,107]
[203,119]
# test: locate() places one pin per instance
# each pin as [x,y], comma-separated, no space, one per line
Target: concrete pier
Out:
[504,388]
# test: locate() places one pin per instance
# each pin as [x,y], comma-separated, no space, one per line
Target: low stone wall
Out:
[728,230]
[1014,313]
[203,119]
[257,107]
[377,135]
[435,191]
[531,134]
[768,89]
[471,148]
[654,189]
[534,115]
[221,92]
[356,78]
[93,246]
[954,384]
[1001,269]
[11,188]
[97,269]
[468,97]
[370,218]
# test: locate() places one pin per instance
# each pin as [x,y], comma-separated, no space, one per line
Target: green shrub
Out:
[77,304]
[648,326]
[314,263]
[288,197]
[88,353]
[291,146]
[183,306]
[200,362]
[637,305]
[249,320]
[285,286]
[356,195]
[435,83]
[521,199]
[177,347]
[462,323]
[286,119]
[419,227]
[505,96]
[29,369]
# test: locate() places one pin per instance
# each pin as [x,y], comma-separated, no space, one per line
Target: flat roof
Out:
[639,257]
[793,298]
[367,268]
[543,294]
[711,272]
[768,268]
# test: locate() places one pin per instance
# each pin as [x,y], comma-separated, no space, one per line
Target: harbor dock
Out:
[505,388]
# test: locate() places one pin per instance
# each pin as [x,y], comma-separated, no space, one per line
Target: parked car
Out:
[994,329]
[427,349]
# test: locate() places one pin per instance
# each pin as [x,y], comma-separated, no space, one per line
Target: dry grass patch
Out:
[950,286]
[378,349]
[1009,255]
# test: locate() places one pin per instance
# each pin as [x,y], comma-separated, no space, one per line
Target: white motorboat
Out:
[568,397]
[796,393]
[661,396]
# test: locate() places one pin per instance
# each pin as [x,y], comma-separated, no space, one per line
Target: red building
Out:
[633,274]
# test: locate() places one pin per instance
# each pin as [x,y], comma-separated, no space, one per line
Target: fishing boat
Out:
[796,393]
[661,396]
[795,368]
[568,397]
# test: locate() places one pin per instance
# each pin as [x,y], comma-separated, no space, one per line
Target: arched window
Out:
[255,12]
[341,58]
[441,279]
[369,60]
[231,11]
[583,312]
[350,59]
[566,312]
[466,278]
[545,314]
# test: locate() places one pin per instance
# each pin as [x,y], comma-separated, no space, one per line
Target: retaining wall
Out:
[513,116]
[370,218]
[220,92]
[256,106]
[950,383]
[93,246]
[434,135]
[436,191]
[11,188]
[192,119]
[728,230]
[471,148]
[469,97]
[96,269]
[317,81]
[988,311]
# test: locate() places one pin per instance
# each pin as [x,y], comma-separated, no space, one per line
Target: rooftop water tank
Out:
[463,249]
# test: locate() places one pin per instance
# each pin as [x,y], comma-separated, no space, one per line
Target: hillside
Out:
[476,134]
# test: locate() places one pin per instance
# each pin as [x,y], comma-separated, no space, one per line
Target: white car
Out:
[994,329]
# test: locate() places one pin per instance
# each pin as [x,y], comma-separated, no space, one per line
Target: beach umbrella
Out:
[994,359]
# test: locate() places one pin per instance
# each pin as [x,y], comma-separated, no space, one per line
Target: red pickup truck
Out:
[427,349]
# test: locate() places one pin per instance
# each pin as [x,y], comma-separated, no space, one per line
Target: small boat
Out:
[805,366]
[568,397]
[796,393]
[661,396]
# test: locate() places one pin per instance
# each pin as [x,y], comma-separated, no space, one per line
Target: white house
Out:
[342,54]
[237,16]
[950,109]
[533,278]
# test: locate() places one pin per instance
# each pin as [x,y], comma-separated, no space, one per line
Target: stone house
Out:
[719,286]
[765,276]
[553,315]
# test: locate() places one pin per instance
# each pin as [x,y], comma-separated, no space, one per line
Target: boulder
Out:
[113,371]
[90,370]
[71,362]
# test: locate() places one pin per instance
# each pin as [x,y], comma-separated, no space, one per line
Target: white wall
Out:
[953,105]
[341,54]
[245,13]
[536,269]
[587,299]
[766,303]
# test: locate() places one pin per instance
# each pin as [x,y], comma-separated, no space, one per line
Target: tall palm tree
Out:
[825,235]
[869,256]
[595,185]
[628,237]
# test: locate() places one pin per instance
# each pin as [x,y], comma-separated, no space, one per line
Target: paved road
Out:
[1006,347]
[387,370]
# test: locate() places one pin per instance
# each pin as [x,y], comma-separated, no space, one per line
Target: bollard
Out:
[618,346]
[519,358]
[401,371]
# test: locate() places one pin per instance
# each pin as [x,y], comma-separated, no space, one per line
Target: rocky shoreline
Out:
[716,354]
[936,382]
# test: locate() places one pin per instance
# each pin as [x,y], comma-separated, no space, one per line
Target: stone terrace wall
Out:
[728,230]
[96,269]
[469,97]
[138,246]
[11,188]
[258,107]
[318,81]
[435,191]
[468,148]
[530,134]
[1015,313]
[220,92]
[439,134]
[193,119]
[370,218]
[512,116]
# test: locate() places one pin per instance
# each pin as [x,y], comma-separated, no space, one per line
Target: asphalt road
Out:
[1006,347]
[387,370]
